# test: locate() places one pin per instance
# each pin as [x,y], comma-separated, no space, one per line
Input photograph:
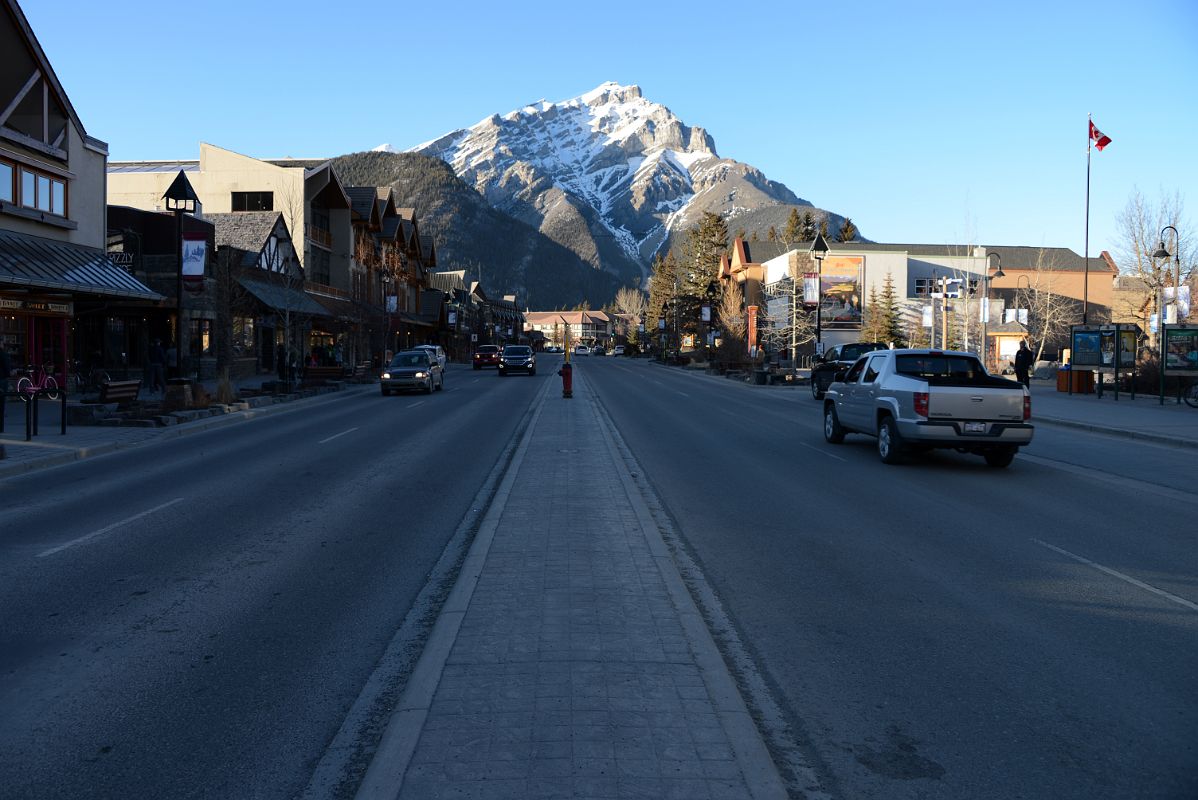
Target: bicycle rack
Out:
[31,409]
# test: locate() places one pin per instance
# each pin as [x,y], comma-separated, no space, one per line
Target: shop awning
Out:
[282,298]
[340,309]
[31,261]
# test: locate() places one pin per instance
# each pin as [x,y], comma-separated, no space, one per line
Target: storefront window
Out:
[201,337]
[243,336]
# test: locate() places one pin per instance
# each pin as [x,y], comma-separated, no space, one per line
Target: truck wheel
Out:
[816,391]
[890,442]
[1000,457]
[833,432]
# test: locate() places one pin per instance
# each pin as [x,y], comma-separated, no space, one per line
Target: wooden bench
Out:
[120,392]
[317,376]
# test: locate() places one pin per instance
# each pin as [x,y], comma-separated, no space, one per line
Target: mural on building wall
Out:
[841,282]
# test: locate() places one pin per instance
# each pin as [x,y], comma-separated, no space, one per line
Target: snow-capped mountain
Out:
[608,174]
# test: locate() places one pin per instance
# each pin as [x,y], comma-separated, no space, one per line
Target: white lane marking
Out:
[684,394]
[821,450]
[417,403]
[1120,576]
[335,436]
[107,529]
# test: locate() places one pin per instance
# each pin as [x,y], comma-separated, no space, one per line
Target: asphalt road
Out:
[195,618]
[939,629]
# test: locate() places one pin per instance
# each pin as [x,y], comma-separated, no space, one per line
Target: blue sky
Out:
[929,122]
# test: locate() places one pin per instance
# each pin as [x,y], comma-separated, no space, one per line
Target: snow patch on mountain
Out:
[627,170]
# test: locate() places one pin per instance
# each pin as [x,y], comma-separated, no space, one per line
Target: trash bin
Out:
[1078,381]
[761,377]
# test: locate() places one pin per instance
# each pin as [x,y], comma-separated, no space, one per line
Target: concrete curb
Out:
[1123,433]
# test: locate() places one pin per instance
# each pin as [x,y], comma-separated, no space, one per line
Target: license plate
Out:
[975,427]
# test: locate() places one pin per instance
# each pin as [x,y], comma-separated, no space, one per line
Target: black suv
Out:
[517,358]
[836,359]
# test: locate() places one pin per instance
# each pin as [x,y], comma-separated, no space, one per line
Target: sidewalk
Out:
[1142,418]
[570,661]
[51,448]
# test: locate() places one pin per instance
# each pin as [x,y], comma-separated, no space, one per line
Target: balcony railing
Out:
[320,236]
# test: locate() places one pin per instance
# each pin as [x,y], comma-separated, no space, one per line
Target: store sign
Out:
[195,257]
[36,306]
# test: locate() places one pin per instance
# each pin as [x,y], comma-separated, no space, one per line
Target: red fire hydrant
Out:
[567,373]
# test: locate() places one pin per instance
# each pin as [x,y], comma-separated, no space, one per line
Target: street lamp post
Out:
[819,249]
[1161,252]
[709,296]
[998,273]
[181,199]
[385,280]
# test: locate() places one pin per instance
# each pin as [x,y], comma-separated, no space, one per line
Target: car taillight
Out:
[1027,407]
[921,404]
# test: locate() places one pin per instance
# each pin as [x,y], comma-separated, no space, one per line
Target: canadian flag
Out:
[1099,138]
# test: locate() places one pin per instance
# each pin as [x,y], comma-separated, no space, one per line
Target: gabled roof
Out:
[48,73]
[363,203]
[428,251]
[448,281]
[247,230]
[390,228]
[407,213]
[323,180]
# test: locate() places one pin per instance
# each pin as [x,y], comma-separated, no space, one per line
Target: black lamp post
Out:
[709,296]
[180,199]
[819,249]
[1161,252]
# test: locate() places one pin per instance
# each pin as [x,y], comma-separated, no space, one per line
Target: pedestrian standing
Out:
[157,367]
[1024,359]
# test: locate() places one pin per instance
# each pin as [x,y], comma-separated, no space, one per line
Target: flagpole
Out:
[1086,257]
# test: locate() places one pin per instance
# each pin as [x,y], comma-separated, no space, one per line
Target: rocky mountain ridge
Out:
[609,175]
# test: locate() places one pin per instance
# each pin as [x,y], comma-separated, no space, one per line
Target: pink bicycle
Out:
[37,379]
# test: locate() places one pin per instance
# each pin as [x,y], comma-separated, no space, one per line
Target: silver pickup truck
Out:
[925,399]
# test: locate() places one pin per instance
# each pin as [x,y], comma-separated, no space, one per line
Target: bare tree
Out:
[1139,228]
[629,305]
[1050,311]
[733,325]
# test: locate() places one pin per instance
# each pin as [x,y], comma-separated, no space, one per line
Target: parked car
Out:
[517,358]
[486,355]
[618,350]
[412,369]
[925,399]
[836,359]
[437,351]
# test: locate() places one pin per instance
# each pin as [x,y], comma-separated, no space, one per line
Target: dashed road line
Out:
[107,529]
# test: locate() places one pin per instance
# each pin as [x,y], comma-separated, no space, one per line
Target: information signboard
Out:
[1181,349]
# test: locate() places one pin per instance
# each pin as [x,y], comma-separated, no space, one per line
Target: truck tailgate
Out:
[988,403]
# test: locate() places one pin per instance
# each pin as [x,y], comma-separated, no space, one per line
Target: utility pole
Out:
[944,313]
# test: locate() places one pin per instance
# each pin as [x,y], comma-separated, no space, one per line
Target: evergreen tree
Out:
[753,236]
[847,232]
[808,227]
[699,265]
[740,233]
[823,227]
[873,326]
[793,232]
[891,327]
[661,290]
[772,234]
